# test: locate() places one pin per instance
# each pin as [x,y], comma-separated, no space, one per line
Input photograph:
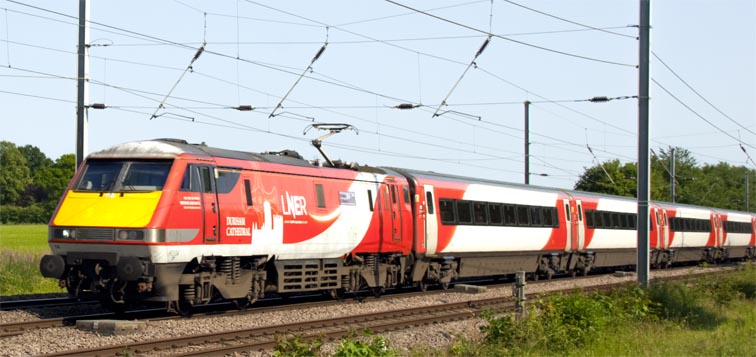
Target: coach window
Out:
[479,211]
[446,207]
[406,194]
[494,214]
[370,199]
[580,212]
[608,223]
[464,212]
[522,216]
[632,219]
[510,215]
[598,219]
[616,220]
[589,219]
[548,216]
[320,195]
[535,216]
[393,193]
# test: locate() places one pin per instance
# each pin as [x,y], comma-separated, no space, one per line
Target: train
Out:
[169,222]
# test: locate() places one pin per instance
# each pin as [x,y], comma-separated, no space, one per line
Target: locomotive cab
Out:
[112,202]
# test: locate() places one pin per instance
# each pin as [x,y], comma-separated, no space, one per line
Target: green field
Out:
[21,248]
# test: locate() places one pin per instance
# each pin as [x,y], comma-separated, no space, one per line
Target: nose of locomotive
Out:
[52,266]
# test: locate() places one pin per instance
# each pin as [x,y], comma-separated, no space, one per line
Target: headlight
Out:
[130,234]
[68,233]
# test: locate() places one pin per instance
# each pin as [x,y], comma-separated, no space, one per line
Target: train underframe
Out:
[244,280]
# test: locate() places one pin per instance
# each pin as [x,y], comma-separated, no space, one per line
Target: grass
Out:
[21,248]
[24,238]
[732,337]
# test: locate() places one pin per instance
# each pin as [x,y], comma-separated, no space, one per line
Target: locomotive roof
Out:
[171,148]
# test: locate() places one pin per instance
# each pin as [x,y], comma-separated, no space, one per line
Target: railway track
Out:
[38,303]
[225,309]
[264,338]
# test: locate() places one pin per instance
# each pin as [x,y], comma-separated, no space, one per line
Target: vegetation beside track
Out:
[21,248]
[714,315]
[709,316]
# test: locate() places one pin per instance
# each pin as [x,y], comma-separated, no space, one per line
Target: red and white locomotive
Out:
[186,224]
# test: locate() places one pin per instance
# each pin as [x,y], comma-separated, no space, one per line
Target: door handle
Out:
[215,231]
[213,206]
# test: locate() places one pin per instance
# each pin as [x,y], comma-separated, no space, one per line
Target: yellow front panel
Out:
[93,209]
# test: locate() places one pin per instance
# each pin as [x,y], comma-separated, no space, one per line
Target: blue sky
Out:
[379,55]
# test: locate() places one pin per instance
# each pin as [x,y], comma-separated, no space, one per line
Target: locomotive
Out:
[187,224]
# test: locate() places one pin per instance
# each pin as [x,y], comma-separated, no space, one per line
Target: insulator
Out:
[599,99]
[245,108]
[406,106]
[199,52]
[483,46]
[320,52]
[98,106]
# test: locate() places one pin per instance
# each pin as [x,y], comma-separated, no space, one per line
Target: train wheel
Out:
[336,294]
[422,285]
[183,308]
[241,304]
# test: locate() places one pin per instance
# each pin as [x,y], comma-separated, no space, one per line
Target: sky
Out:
[554,53]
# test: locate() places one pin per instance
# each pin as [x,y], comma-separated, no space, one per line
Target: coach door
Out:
[718,231]
[658,229]
[580,225]
[431,223]
[662,234]
[396,214]
[573,211]
[209,199]
[571,227]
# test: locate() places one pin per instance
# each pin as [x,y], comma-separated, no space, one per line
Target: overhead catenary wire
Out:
[153,38]
[699,94]
[569,21]
[512,40]
[697,114]
[226,107]
[309,68]
[472,63]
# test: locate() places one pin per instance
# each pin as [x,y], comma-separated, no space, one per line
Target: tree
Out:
[14,173]
[610,177]
[35,158]
[686,170]
[719,185]
[54,179]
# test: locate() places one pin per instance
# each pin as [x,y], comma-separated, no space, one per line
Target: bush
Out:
[30,214]
[561,323]
[683,303]
[297,347]
[370,345]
